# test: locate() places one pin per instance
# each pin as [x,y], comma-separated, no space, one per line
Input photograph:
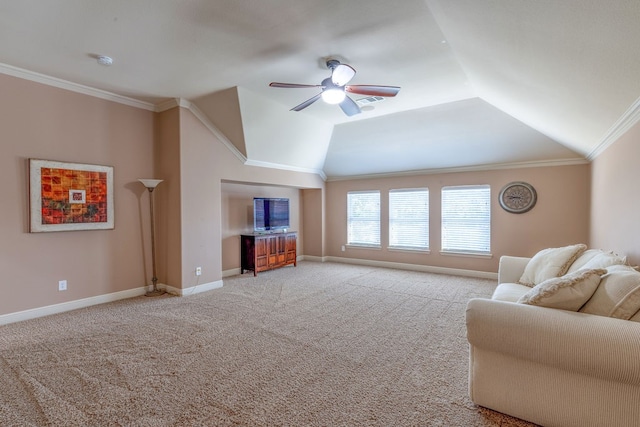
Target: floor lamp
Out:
[151,185]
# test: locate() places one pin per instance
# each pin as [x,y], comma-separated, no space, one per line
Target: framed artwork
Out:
[69,196]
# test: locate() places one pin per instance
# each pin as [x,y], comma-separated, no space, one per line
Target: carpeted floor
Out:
[315,345]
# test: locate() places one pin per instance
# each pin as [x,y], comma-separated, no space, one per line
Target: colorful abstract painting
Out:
[70,196]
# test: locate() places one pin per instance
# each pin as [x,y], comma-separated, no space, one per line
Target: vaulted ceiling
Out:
[485,83]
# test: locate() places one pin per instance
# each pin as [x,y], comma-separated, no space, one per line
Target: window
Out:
[409,218]
[466,219]
[363,218]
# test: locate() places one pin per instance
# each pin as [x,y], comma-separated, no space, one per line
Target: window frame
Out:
[472,250]
[394,218]
[364,244]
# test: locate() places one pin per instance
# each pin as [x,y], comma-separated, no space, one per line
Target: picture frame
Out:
[69,196]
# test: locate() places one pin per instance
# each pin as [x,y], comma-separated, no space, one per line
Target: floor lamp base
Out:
[155,293]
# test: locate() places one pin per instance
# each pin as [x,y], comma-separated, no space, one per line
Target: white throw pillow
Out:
[509,292]
[568,292]
[596,258]
[550,263]
[618,294]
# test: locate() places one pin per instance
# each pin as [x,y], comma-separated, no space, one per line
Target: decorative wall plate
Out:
[518,197]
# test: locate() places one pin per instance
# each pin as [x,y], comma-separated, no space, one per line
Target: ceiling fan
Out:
[334,89]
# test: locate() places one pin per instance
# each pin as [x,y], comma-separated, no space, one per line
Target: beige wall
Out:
[39,121]
[560,217]
[204,165]
[198,215]
[168,197]
[615,204]
[314,223]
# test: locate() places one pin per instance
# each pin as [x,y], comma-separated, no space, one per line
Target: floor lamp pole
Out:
[151,184]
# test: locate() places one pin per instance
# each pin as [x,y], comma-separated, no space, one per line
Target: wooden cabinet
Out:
[260,252]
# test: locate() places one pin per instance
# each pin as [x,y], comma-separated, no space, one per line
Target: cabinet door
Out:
[272,250]
[261,253]
[281,249]
[247,253]
[291,248]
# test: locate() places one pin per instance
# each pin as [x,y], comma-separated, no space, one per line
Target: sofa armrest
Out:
[581,343]
[511,268]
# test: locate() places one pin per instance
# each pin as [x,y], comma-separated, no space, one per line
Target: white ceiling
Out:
[484,82]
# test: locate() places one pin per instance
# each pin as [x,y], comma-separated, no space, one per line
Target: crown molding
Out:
[74,87]
[286,167]
[619,128]
[212,128]
[480,168]
[622,125]
[178,102]
[167,105]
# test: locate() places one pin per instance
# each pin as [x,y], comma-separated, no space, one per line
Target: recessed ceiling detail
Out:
[562,78]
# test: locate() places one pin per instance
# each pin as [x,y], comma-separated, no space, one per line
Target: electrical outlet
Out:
[62,285]
[343,248]
[198,271]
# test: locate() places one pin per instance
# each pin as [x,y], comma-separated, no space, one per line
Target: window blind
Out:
[409,218]
[363,218]
[466,219]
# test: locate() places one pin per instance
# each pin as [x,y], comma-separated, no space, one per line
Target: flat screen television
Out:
[270,214]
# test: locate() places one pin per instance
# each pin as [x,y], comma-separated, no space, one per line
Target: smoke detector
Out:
[104,60]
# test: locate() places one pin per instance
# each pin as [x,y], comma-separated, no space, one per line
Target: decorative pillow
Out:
[596,258]
[618,294]
[585,257]
[509,292]
[568,292]
[549,263]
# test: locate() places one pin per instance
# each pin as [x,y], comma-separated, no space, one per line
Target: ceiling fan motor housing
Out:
[334,88]
[332,63]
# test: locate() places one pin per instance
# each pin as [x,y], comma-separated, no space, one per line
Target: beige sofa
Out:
[557,367]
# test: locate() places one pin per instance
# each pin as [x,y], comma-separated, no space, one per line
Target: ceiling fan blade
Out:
[342,74]
[291,85]
[373,90]
[306,103]
[349,106]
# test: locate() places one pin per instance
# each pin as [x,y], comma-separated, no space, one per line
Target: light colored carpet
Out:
[313,345]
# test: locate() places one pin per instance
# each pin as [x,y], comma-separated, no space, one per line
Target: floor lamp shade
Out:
[151,184]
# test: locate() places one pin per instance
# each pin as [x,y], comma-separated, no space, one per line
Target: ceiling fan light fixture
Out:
[335,88]
[333,96]
[342,74]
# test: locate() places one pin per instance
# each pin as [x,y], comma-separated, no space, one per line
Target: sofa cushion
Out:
[596,258]
[509,292]
[549,263]
[618,294]
[568,292]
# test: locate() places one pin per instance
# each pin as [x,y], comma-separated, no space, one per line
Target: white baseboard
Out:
[70,305]
[413,267]
[313,258]
[101,299]
[386,264]
[204,287]
[130,293]
[232,272]
[236,271]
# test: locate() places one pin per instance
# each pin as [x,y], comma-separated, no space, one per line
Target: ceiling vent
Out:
[370,99]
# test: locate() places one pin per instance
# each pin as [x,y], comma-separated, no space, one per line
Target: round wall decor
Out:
[518,197]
